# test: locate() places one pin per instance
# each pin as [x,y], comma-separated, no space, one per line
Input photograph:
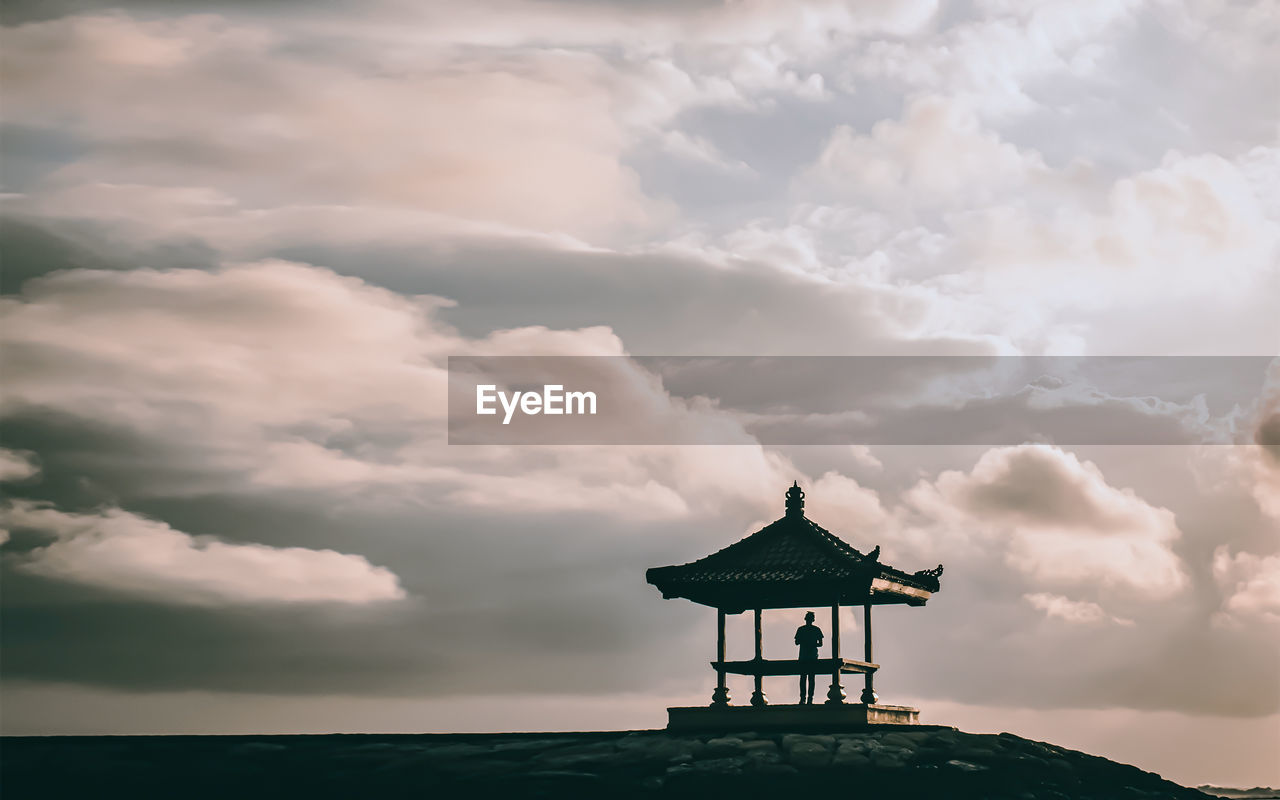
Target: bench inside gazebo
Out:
[793,563]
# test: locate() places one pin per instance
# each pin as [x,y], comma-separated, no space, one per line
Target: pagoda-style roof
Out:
[790,563]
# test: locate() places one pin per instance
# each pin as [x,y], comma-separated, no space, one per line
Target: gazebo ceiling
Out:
[790,563]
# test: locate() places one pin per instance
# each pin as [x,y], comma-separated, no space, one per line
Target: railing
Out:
[794,666]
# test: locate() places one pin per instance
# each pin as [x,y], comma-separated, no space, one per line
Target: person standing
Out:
[809,639]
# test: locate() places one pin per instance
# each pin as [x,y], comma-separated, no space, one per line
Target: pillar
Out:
[757,697]
[720,697]
[868,690]
[835,695]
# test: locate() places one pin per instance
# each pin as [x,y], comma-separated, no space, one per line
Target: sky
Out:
[242,239]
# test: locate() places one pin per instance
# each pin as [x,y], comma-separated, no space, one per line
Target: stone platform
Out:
[819,716]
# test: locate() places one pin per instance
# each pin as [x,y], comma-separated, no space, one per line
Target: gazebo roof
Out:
[790,563]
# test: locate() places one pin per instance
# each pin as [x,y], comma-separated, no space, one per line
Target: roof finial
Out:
[795,500]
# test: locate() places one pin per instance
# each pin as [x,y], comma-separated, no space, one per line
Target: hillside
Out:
[921,763]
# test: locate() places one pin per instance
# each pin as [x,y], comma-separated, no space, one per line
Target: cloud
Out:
[123,552]
[989,63]
[1048,555]
[698,150]
[1058,521]
[1236,33]
[537,146]
[1075,612]
[938,154]
[537,140]
[275,375]
[1252,466]
[1250,585]
[238,340]
[800,28]
[1143,253]
[18,465]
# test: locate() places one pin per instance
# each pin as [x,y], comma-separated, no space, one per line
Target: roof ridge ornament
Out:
[795,500]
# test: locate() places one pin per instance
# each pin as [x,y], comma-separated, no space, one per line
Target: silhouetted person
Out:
[809,638]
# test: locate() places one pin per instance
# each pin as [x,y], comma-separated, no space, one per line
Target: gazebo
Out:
[793,563]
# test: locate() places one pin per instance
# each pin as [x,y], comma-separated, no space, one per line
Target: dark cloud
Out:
[22,11]
[705,309]
[1034,487]
[18,12]
[31,250]
[1268,436]
[35,247]
[772,146]
[572,609]
[31,153]
[567,599]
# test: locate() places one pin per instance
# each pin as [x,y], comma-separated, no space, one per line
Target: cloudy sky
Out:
[242,239]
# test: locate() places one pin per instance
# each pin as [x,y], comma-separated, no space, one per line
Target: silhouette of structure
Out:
[793,563]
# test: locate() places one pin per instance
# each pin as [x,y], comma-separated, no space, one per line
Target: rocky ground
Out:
[936,763]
